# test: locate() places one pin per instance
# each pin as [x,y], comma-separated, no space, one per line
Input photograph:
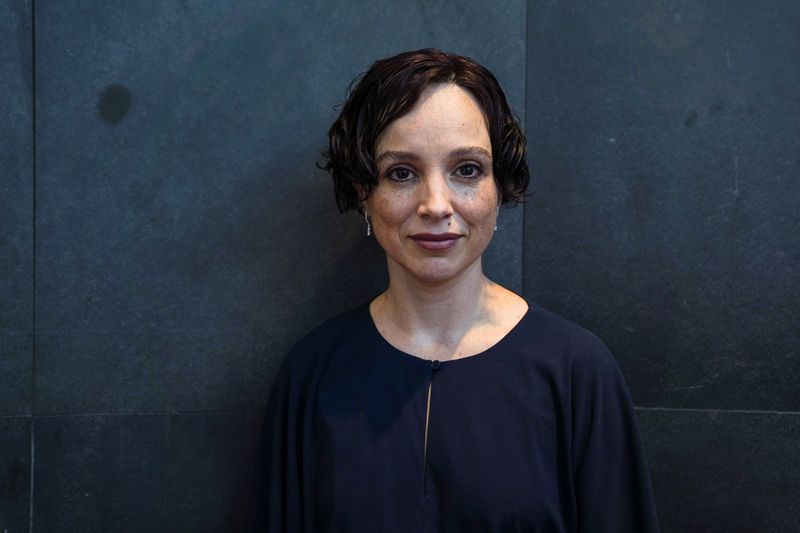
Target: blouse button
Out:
[435,364]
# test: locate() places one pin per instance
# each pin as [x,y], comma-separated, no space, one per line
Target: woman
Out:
[447,403]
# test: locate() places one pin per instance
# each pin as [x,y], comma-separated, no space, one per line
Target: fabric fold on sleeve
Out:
[275,503]
[612,484]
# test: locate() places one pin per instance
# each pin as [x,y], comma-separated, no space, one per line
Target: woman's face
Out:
[435,206]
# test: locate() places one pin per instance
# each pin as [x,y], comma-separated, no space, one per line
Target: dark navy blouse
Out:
[535,434]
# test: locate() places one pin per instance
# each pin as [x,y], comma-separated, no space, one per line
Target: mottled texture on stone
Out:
[724,472]
[16,371]
[191,370]
[663,139]
[16,208]
[15,468]
[156,472]
[184,232]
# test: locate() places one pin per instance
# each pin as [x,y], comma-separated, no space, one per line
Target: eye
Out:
[399,174]
[470,170]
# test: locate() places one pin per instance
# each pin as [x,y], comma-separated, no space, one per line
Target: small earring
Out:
[495,218]
[369,226]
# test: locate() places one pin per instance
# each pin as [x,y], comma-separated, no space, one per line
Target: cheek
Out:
[481,206]
[388,214]
[385,211]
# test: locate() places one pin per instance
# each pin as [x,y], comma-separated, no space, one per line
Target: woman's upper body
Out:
[447,403]
[536,433]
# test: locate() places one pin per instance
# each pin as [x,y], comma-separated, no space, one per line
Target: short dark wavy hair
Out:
[390,89]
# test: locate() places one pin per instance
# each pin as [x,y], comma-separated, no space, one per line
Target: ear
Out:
[362,204]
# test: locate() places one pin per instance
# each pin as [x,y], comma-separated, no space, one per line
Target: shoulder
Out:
[562,334]
[327,337]
[590,380]
[580,351]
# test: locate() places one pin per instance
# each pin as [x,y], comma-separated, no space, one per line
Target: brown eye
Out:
[400,174]
[469,171]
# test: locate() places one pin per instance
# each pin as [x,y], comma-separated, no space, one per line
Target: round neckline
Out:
[479,355]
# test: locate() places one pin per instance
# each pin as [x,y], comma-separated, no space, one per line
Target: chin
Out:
[437,274]
[433,278]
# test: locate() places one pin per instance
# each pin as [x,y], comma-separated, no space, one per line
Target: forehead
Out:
[444,116]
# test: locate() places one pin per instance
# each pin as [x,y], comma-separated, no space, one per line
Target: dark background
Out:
[165,235]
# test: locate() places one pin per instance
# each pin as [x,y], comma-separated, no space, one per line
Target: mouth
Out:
[435,241]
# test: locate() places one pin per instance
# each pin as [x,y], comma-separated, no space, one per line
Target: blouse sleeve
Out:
[612,484]
[275,502]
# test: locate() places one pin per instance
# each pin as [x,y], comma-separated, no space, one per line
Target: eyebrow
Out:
[465,151]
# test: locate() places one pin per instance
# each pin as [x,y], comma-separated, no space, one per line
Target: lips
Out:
[436,241]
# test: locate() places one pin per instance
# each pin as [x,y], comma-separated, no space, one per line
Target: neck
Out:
[436,310]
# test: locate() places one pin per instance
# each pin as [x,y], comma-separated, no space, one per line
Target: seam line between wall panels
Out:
[732,411]
[524,130]
[33,460]
[33,266]
[147,413]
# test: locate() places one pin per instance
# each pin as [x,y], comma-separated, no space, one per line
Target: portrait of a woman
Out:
[447,403]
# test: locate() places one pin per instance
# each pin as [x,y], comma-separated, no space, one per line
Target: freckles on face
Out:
[435,177]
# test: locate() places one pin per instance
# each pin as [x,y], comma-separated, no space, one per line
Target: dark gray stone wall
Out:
[166,235]
[664,142]
[183,236]
[16,262]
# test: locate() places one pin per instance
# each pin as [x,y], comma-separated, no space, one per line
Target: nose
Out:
[434,198]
